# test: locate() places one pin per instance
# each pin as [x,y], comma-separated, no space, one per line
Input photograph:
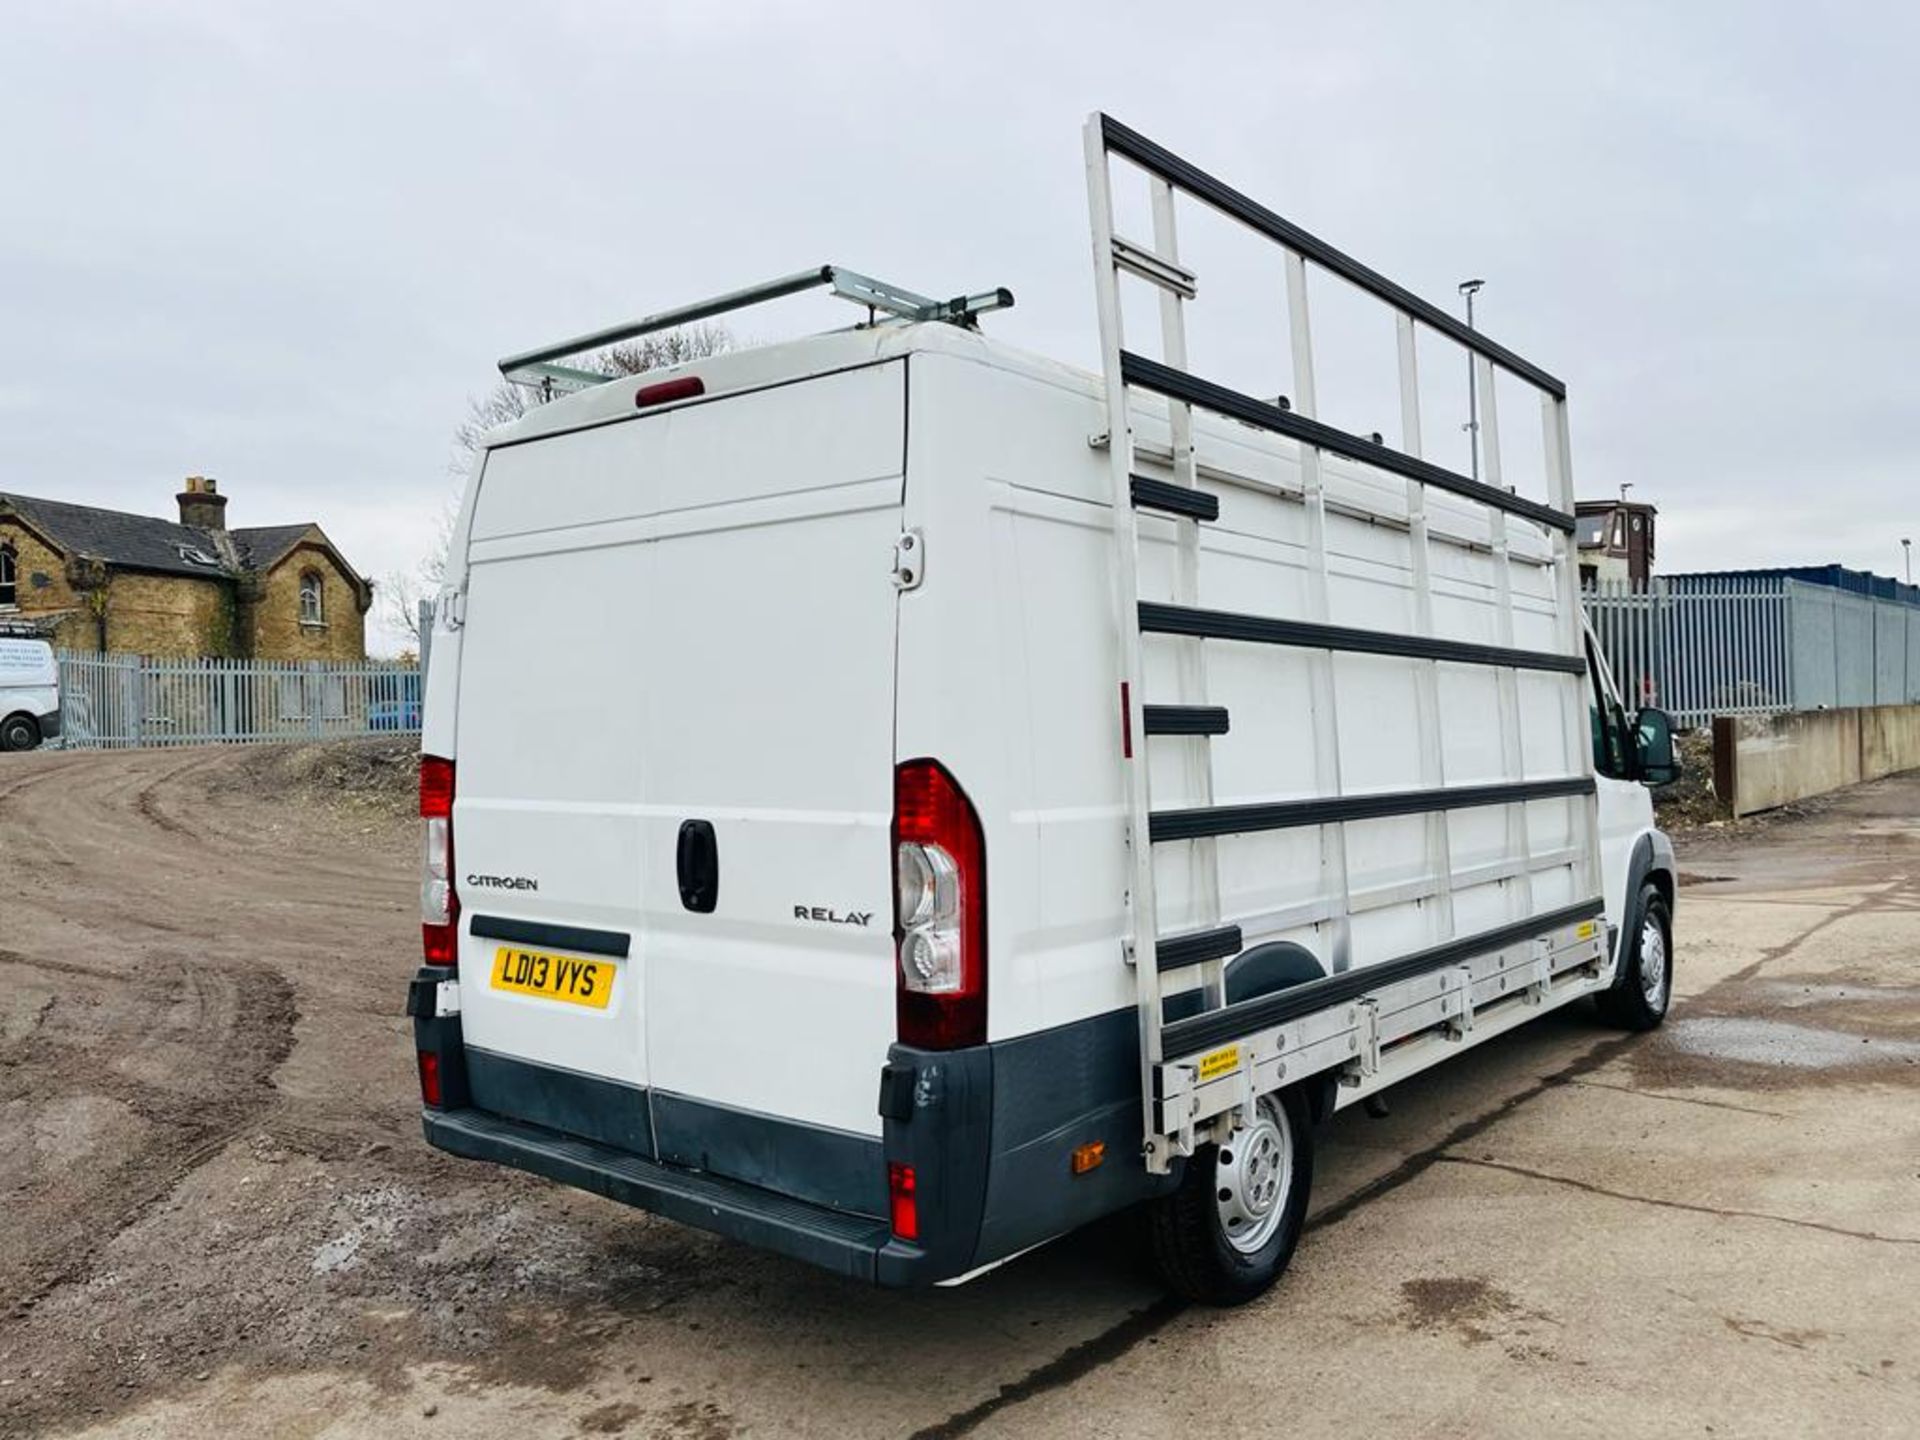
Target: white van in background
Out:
[892,799]
[29,693]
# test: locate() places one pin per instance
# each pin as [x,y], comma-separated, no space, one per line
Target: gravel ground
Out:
[223,1219]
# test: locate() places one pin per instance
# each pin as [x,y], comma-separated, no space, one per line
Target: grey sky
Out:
[282,245]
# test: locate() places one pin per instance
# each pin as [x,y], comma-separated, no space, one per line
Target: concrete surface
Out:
[1765,761]
[223,1220]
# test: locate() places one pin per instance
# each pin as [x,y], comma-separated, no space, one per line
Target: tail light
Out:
[903,1201]
[940,910]
[430,1077]
[439,906]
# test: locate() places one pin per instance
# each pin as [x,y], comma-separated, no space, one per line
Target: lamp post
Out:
[1471,288]
[1906,547]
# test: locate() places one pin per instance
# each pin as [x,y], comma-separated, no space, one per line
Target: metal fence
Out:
[1744,645]
[117,701]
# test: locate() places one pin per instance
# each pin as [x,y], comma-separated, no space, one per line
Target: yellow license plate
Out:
[554,977]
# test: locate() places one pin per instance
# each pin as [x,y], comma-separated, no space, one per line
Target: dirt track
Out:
[207,1090]
[221,1218]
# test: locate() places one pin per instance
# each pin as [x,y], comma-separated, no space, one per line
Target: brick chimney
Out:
[202,505]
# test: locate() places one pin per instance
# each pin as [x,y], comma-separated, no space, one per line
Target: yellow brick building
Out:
[105,580]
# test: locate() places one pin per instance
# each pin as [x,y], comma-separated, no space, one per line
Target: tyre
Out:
[1225,1234]
[1643,989]
[18,732]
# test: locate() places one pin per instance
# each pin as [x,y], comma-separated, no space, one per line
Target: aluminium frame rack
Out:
[1202,1073]
[539,367]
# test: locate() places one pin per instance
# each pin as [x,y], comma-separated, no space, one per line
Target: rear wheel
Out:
[1643,989]
[1228,1231]
[18,732]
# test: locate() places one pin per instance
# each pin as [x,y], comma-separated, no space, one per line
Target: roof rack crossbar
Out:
[536,366]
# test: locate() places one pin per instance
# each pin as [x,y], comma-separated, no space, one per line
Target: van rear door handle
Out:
[699,866]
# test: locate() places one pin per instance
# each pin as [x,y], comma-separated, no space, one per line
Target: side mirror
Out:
[1653,748]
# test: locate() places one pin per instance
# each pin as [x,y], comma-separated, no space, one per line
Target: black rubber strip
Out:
[1202,186]
[1185,719]
[1236,1022]
[1179,385]
[1174,499]
[840,1241]
[1176,952]
[560,937]
[1260,629]
[1202,821]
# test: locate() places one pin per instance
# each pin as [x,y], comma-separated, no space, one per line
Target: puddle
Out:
[1780,1042]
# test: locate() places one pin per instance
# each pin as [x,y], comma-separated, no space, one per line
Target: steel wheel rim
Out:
[1252,1177]
[1653,963]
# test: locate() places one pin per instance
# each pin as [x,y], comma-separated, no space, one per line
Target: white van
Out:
[893,799]
[29,693]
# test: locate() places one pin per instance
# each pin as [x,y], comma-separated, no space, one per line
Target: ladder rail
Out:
[1566,565]
[1209,470]
[1323,697]
[1427,724]
[1157,160]
[1178,384]
[1140,939]
[1513,751]
[1203,869]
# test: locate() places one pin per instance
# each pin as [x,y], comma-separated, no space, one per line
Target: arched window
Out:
[9,583]
[312,601]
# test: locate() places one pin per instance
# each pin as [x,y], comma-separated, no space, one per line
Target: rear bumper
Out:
[987,1131]
[49,725]
[832,1239]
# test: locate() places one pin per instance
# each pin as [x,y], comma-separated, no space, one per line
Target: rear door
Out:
[683,626]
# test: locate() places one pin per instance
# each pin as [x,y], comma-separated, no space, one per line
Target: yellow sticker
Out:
[1218,1063]
[1585,932]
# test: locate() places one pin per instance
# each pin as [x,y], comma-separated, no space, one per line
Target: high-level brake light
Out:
[661,391]
[940,910]
[439,906]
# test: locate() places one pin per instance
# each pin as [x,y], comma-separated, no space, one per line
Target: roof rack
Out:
[537,367]
[1202,1072]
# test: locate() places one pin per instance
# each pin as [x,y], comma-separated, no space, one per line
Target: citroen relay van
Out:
[991,794]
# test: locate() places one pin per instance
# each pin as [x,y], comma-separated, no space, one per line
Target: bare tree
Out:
[507,402]
[403,590]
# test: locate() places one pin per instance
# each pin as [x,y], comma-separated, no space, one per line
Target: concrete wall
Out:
[1889,740]
[1762,761]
